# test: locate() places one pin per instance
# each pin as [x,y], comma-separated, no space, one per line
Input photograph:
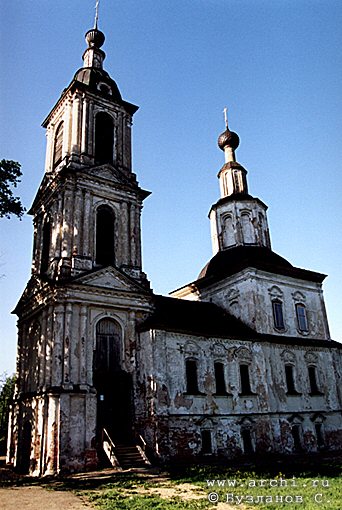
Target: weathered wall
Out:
[248,295]
[174,419]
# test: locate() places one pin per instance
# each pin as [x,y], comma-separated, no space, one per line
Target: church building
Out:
[236,363]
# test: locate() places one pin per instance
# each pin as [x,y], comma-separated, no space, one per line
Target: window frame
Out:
[58,145]
[290,380]
[220,379]
[245,380]
[191,377]
[208,433]
[302,327]
[313,380]
[278,321]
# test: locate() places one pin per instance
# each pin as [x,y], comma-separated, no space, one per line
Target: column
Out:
[84,134]
[76,125]
[84,376]
[67,343]
[90,148]
[87,226]
[57,346]
[67,128]
[132,235]
[49,148]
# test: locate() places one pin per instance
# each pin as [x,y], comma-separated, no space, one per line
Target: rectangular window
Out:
[247,441]
[219,379]
[291,390]
[296,437]
[191,377]
[278,315]
[301,317]
[206,441]
[319,435]
[313,381]
[244,380]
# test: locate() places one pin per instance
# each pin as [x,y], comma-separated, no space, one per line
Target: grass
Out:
[187,488]
[318,486]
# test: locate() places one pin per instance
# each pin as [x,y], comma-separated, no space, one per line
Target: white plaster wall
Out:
[248,295]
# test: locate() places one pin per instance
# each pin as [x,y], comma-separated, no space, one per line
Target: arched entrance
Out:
[113,385]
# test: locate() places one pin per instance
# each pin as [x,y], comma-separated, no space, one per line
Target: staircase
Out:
[130,456]
[124,456]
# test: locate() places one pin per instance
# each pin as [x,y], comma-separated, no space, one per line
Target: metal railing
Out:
[110,449]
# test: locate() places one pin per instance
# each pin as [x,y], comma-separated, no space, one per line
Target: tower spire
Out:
[93,55]
[96,13]
[225,113]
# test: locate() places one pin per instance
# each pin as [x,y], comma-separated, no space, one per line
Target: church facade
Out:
[238,362]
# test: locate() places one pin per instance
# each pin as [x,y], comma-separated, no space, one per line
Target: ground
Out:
[316,479]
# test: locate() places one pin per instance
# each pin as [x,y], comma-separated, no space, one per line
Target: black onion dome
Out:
[228,139]
[95,38]
[232,260]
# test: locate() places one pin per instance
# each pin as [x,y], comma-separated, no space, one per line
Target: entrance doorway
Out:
[113,385]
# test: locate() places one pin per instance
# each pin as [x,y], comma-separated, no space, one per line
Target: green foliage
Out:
[6,394]
[9,177]
[116,500]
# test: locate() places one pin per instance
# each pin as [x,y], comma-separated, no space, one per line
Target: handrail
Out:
[143,441]
[106,438]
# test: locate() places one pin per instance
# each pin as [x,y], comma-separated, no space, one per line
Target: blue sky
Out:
[276,65]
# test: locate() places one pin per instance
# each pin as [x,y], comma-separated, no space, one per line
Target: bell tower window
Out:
[46,246]
[104,236]
[58,145]
[104,138]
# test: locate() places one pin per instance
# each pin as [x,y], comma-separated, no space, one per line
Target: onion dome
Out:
[95,38]
[228,139]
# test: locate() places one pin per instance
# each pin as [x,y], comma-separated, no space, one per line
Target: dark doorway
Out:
[113,385]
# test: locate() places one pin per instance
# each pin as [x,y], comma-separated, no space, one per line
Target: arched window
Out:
[247,228]
[104,236]
[301,317]
[228,232]
[46,246]
[104,138]
[58,145]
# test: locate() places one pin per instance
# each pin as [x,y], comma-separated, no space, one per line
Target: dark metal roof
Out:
[194,318]
[232,260]
[199,318]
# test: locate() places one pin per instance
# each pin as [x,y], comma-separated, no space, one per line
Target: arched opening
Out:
[104,236]
[247,228]
[45,259]
[113,385]
[104,138]
[58,145]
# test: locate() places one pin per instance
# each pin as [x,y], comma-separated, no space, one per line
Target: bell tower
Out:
[78,315]
[87,210]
